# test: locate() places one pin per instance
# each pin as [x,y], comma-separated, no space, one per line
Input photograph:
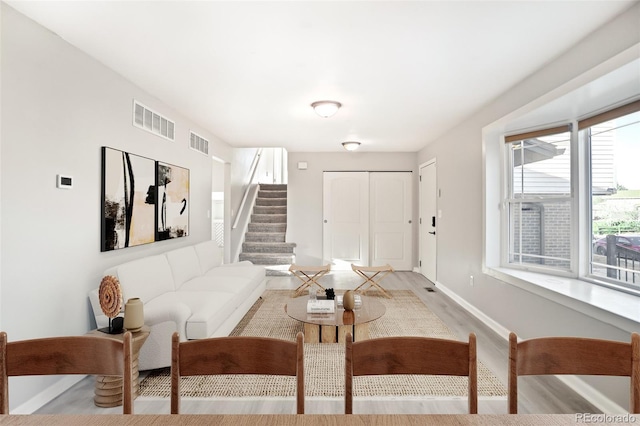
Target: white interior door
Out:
[345,229]
[428,220]
[391,212]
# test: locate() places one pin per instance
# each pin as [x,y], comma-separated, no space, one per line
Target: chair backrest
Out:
[67,355]
[411,355]
[574,355]
[237,355]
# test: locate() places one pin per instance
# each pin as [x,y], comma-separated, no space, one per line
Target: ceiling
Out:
[247,72]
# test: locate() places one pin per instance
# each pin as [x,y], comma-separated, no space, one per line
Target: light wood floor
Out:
[537,394]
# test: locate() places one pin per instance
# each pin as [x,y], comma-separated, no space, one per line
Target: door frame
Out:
[423,221]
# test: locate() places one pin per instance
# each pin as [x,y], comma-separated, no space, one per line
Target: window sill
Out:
[613,307]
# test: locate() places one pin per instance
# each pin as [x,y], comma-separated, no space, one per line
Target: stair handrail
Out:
[254,167]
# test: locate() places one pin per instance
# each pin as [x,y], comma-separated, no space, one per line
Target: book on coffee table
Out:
[321,306]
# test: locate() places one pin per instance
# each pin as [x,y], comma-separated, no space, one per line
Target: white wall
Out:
[242,161]
[304,194]
[460,175]
[59,107]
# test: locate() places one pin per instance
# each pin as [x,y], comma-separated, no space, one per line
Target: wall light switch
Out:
[302,165]
[64,182]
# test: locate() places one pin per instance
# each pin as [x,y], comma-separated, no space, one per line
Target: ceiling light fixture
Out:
[351,145]
[326,108]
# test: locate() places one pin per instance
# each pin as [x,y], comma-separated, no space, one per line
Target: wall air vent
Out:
[153,122]
[199,143]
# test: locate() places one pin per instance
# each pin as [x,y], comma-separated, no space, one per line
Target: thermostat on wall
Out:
[64,182]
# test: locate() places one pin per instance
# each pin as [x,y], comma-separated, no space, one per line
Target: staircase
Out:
[264,242]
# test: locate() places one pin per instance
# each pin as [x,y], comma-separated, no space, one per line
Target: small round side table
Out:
[108,390]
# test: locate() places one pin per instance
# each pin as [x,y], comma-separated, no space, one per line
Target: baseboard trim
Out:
[490,322]
[588,392]
[47,395]
[592,395]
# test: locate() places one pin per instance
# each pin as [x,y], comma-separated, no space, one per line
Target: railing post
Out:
[612,254]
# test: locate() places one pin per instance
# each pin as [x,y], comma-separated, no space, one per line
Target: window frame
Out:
[587,255]
[581,198]
[508,199]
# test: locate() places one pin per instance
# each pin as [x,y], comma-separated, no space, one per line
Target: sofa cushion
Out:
[209,310]
[145,278]
[250,272]
[209,255]
[239,286]
[184,264]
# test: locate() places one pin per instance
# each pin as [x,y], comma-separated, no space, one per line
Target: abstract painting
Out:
[173,202]
[128,194]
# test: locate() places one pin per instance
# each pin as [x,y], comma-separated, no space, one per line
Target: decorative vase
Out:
[348,318]
[133,314]
[348,300]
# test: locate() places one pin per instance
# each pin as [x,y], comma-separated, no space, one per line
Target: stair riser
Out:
[272,194]
[268,218]
[265,237]
[271,201]
[250,248]
[273,186]
[264,260]
[267,227]
[270,210]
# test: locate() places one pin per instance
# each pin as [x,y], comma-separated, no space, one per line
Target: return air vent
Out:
[199,143]
[153,122]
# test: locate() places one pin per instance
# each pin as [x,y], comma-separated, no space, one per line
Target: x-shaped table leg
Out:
[309,276]
[378,272]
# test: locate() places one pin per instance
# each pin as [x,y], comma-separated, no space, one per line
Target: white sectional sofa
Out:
[187,290]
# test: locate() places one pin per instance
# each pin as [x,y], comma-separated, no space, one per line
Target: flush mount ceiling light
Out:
[351,145]
[326,108]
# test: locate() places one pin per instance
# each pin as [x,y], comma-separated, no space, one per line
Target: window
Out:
[614,145]
[548,177]
[539,200]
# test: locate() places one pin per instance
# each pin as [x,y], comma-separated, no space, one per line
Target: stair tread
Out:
[261,254]
[271,243]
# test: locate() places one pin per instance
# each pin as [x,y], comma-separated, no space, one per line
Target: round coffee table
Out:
[332,328]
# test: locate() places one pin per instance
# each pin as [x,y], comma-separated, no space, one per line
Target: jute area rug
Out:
[406,315]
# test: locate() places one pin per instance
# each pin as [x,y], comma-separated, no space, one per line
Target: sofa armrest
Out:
[176,312]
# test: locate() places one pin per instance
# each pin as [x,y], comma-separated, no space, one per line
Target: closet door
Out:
[391,213]
[346,219]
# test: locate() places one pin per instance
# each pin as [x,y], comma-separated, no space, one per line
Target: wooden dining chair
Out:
[411,355]
[574,355]
[67,355]
[237,355]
